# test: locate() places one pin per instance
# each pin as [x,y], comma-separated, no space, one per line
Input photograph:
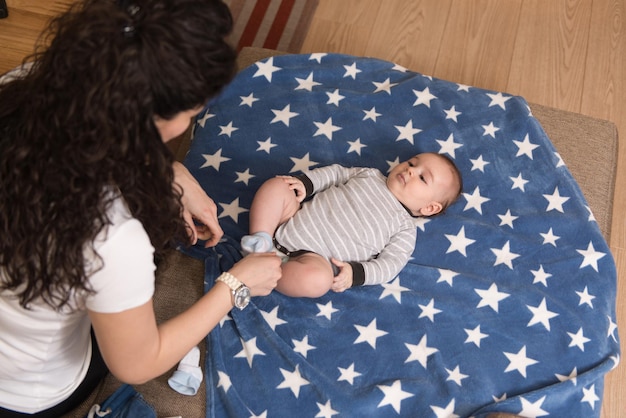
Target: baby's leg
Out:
[309,275]
[274,203]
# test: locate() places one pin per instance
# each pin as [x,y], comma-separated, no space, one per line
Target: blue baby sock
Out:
[259,242]
[188,376]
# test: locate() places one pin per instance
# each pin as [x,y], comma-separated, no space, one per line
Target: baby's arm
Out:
[343,280]
[296,185]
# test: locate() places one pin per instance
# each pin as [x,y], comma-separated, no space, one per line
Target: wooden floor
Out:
[568,54]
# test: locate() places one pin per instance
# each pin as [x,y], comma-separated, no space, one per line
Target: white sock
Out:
[259,242]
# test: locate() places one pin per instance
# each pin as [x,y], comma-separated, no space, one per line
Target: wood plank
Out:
[550,52]
[343,26]
[399,31]
[478,43]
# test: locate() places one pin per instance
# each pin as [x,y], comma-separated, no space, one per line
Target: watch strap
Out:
[230,280]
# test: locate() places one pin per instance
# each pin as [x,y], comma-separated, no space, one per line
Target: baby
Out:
[359,227]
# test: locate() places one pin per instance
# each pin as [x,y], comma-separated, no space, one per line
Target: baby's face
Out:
[423,183]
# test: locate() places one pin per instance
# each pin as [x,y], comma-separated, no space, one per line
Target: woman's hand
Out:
[259,271]
[343,280]
[197,205]
[296,185]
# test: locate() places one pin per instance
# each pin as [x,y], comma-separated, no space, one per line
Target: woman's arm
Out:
[197,205]
[136,349]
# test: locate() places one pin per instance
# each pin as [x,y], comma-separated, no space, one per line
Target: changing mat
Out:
[508,301]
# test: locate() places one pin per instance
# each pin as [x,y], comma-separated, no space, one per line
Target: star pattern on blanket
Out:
[509,291]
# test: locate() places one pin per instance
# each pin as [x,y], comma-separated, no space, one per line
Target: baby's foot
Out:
[259,242]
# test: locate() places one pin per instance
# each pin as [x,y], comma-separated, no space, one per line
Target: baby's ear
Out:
[431,209]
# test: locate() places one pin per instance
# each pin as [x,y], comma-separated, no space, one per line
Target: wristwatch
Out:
[241,293]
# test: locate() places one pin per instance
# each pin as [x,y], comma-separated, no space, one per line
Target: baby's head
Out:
[426,184]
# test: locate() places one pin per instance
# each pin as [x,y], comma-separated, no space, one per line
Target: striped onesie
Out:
[354,218]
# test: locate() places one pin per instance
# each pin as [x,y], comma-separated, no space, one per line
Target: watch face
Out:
[242,297]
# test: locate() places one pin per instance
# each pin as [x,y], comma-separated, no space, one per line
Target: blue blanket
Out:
[507,304]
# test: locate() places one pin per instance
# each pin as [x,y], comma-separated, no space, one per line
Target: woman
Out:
[89,197]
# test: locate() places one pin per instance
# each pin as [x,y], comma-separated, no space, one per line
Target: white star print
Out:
[394,395]
[459,242]
[479,164]
[507,219]
[578,339]
[446,275]
[371,114]
[475,336]
[447,412]
[356,146]
[490,297]
[490,130]
[423,97]
[232,209]
[421,222]
[449,146]
[407,131]
[283,115]
[456,376]
[303,347]
[504,255]
[228,129]
[518,182]
[572,376]
[519,361]
[334,97]
[384,86]
[247,100]
[591,256]
[452,114]
[589,396]
[263,415]
[532,409]
[498,100]
[266,69]
[560,162]
[475,200]
[292,380]
[612,329]
[207,115]
[393,289]
[541,276]
[351,71]
[272,318]
[265,145]
[249,350]
[327,128]
[348,374]
[326,310]
[525,147]
[244,176]
[429,311]
[214,160]
[585,297]
[326,411]
[549,237]
[317,56]
[463,87]
[306,83]
[369,334]
[302,164]
[555,201]
[541,315]
[420,352]
[223,381]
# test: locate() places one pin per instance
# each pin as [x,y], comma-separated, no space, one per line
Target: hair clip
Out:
[128,30]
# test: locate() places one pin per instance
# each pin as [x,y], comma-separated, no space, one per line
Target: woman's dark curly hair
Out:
[80,123]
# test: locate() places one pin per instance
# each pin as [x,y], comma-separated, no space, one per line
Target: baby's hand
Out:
[296,185]
[343,280]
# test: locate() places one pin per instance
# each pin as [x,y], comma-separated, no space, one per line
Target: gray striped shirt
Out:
[354,218]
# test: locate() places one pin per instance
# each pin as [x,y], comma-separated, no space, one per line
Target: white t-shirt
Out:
[44,355]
